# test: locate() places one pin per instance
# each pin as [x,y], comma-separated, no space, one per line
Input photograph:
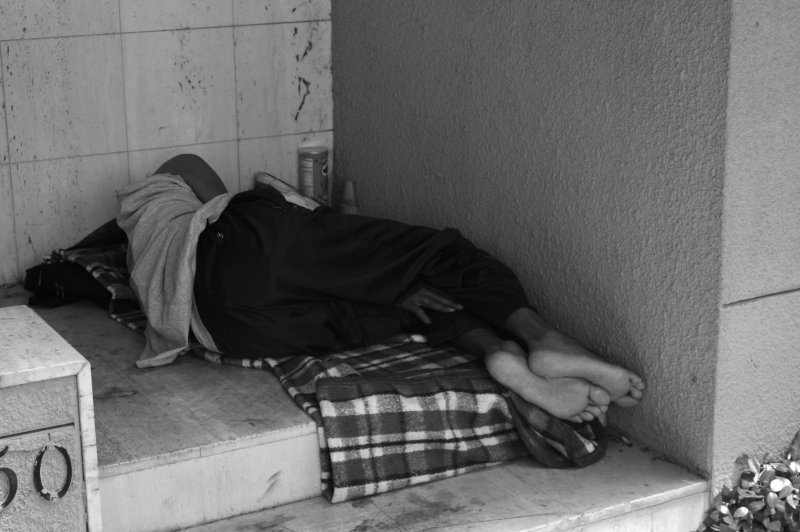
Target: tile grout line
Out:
[8,157]
[759,297]
[124,90]
[236,99]
[153,148]
[163,30]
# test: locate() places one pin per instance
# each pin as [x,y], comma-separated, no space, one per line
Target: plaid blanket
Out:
[413,430]
[397,414]
[108,266]
[391,415]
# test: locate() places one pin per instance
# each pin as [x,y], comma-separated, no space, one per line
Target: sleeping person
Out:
[253,275]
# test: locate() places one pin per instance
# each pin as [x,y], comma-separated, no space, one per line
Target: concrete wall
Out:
[98,92]
[759,351]
[581,142]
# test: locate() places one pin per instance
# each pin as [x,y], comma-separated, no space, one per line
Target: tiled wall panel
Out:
[58,202]
[64,97]
[284,78]
[28,19]
[180,87]
[149,15]
[8,247]
[3,137]
[98,93]
[274,11]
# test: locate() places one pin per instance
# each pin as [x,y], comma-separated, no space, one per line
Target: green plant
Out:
[766,498]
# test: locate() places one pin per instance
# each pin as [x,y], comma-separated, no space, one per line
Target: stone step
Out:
[203,447]
[187,443]
[631,490]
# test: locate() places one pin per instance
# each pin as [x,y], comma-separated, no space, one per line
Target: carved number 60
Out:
[37,477]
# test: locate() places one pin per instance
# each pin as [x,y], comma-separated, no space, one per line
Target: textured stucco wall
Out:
[583,143]
[762,185]
[759,352]
[757,406]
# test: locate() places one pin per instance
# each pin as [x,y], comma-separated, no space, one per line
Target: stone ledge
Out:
[195,442]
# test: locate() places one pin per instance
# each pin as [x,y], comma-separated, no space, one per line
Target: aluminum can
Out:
[313,173]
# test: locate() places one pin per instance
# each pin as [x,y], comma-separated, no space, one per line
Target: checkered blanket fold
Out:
[108,266]
[391,415]
[396,414]
[388,433]
[403,413]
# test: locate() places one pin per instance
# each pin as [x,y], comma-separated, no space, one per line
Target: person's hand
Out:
[417,299]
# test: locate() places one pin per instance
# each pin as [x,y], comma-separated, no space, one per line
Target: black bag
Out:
[58,282]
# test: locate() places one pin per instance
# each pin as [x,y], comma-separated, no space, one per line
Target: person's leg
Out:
[566,398]
[553,355]
[487,288]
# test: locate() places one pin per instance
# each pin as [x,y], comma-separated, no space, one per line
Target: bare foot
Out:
[566,398]
[553,355]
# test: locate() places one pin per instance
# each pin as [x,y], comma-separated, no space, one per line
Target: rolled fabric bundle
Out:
[291,194]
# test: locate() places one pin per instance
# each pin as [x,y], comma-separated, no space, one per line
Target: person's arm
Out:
[200,177]
[417,298]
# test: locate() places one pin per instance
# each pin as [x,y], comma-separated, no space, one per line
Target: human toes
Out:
[598,396]
[626,401]
[636,388]
[595,411]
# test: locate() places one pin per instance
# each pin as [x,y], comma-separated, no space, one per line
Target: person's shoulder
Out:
[155,184]
[166,181]
[160,195]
